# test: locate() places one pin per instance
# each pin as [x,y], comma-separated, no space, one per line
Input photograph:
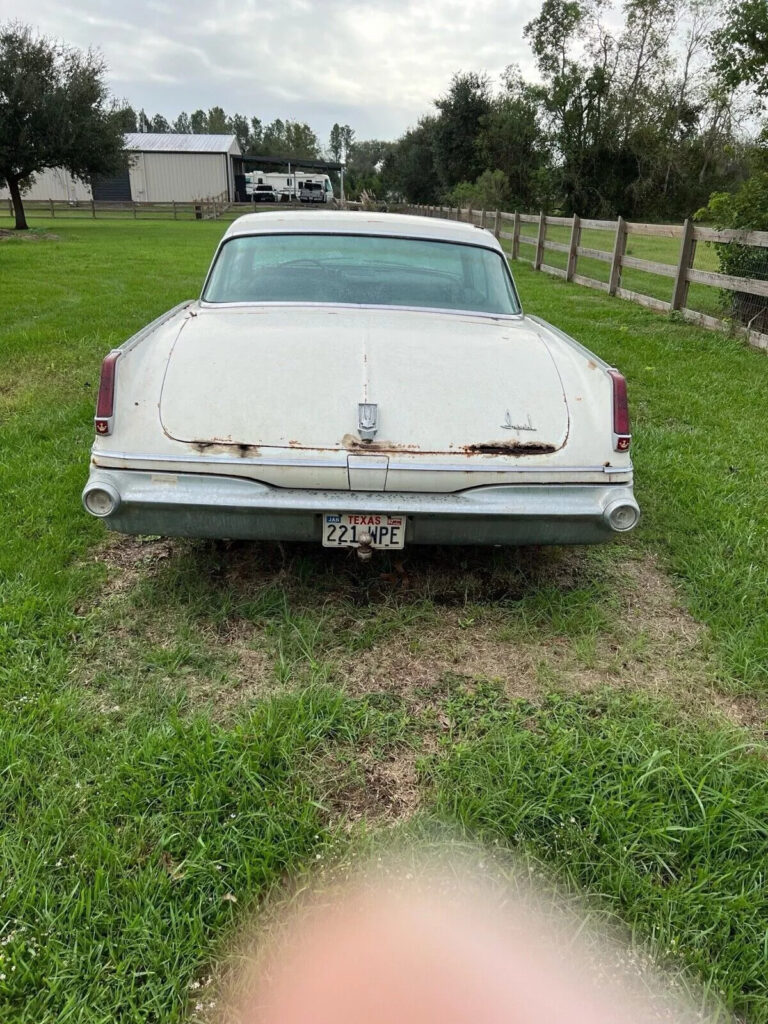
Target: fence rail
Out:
[205,208]
[208,208]
[682,273]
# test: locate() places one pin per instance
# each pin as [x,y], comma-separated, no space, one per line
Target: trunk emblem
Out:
[509,425]
[367,420]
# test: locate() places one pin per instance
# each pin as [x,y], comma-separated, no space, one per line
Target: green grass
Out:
[666,824]
[133,808]
[701,297]
[697,399]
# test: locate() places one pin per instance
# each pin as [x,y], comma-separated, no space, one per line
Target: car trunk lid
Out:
[268,376]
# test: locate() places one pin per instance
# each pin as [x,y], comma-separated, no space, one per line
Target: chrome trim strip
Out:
[439,467]
[206,305]
[223,460]
[341,463]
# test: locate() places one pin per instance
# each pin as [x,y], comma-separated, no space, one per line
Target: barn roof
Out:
[171,142]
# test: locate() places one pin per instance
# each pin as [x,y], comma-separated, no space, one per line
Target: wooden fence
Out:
[206,208]
[511,227]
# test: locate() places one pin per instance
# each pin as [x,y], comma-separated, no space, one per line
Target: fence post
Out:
[572,253]
[516,236]
[174,210]
[93,208]
[539,257]
[134,210]
[497,224]
[680,291]
[482,218]
[51,204]
[619,246]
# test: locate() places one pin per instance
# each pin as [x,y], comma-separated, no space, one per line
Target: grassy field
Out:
[185,725]
[701,297]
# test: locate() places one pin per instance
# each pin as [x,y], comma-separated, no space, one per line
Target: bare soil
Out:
[6,234]
[643,639]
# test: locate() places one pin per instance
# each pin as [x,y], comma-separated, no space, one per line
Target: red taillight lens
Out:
[105,403]
[622,436]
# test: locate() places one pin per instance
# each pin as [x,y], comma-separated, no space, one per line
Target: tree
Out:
[410,170]
[300,140]
[198,122]
[182,124]
[365,161]
[489,192]
[741,46]
[218,122]
[54,112]
[159,124]
[256,135]
[340,141]
[127,117]
[242,131]
[745,208]
[457,127]
[513,139]
[288,138]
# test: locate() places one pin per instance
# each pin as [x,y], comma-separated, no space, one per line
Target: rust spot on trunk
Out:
[218,447]
[509,448]
[353,443]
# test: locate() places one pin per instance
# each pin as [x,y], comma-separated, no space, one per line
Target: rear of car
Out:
[312,192]
[364,383]
[264,194]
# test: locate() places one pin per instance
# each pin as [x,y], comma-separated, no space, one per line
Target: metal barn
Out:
[181,167]
[161,168]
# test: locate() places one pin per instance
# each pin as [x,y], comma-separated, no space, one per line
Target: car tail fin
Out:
[105,402]
[622,436]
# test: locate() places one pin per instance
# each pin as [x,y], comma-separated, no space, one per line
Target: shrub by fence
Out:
[749,295]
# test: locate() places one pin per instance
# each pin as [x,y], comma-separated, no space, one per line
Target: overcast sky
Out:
[374,65]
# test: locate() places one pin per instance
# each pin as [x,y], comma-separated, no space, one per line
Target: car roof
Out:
[360,222]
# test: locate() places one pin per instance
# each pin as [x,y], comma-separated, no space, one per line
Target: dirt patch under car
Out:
[228,623]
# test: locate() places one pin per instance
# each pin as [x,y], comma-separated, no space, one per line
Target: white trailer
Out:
[288,184]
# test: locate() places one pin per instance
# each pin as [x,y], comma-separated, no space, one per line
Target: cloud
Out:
[375,65]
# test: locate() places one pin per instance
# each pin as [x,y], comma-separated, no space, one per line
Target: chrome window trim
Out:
[358,305]
[496,248]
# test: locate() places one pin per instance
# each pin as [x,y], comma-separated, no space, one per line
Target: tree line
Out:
[639,111]
[275,138]
[650,109]
[363,159]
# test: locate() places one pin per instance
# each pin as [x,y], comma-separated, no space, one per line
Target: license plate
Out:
[345,530]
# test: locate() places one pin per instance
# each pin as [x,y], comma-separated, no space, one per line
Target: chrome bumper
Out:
[201,505]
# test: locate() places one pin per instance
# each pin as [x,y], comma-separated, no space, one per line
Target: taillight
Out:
[622,436]
[105,403]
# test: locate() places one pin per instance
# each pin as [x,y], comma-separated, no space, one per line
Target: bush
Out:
[746,208]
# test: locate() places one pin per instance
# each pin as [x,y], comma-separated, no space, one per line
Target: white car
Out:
[360,380]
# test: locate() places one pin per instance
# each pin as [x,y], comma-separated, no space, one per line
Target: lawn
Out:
[701,297]
[185,726]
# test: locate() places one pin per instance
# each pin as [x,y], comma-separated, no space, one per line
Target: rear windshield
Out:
[361,270]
